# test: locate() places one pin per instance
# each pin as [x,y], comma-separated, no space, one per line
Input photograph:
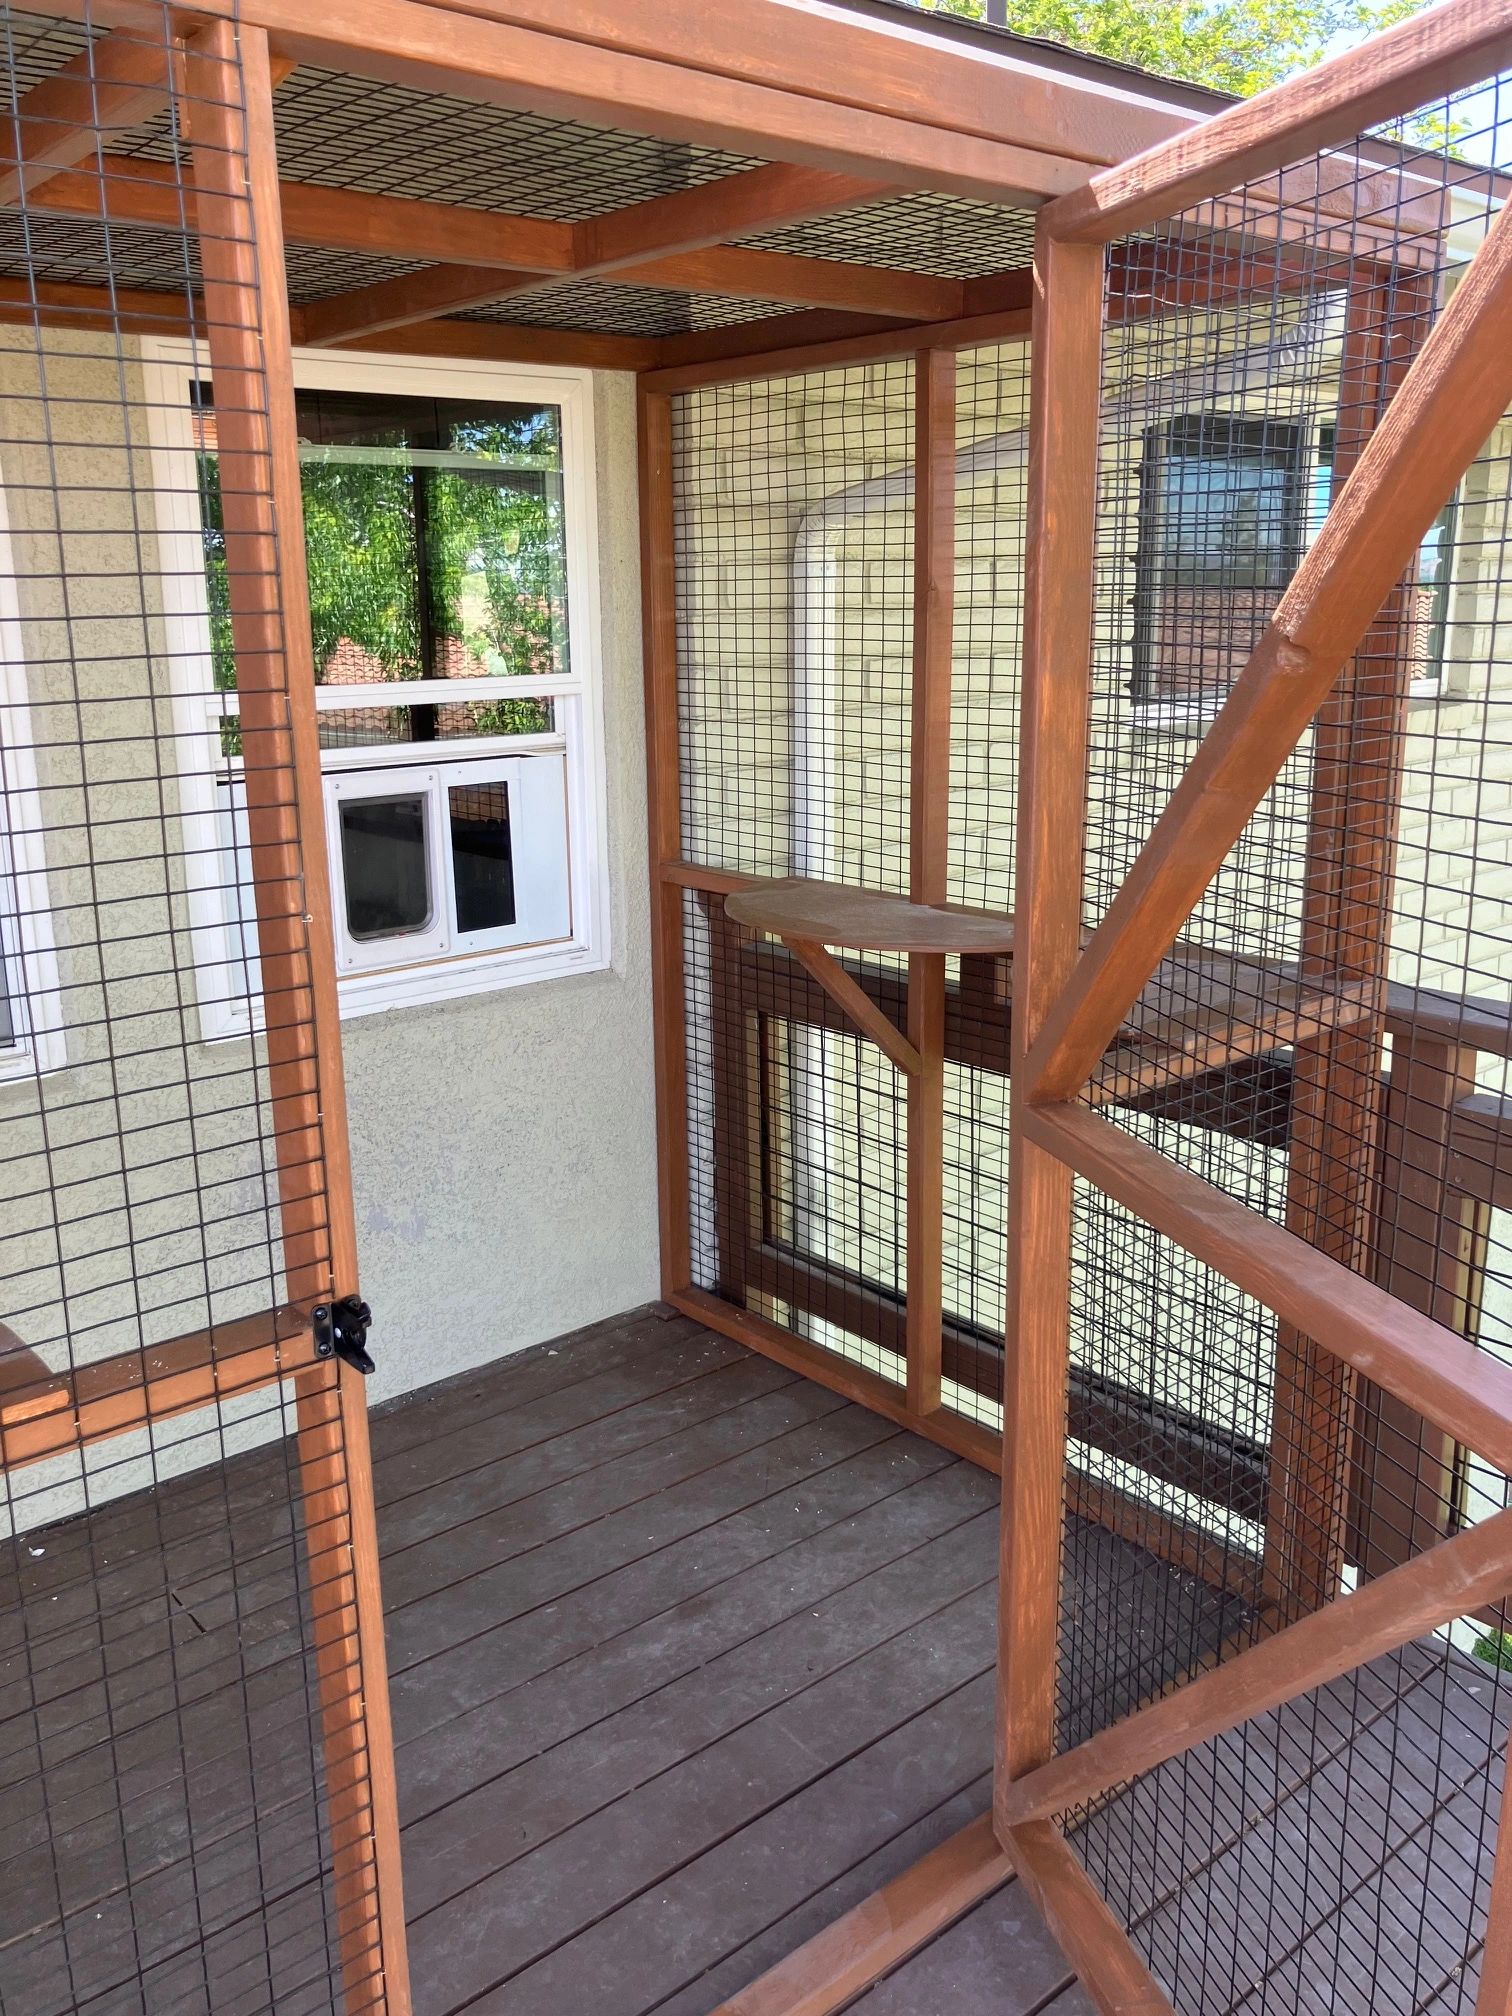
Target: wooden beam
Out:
[1437,52]
[724,269]
[934,503]
[839,60]
[1332,1166]
[1452,1578]
[767,349]
[1086,1931]
[878,1934]
[465,54]
[658,534]
[759,199]
[507,343]
[857,1005]
[108,88]
[1446,408]
[1064,404]
[60,304]
[1442,1375]
[126,190]
[228,113]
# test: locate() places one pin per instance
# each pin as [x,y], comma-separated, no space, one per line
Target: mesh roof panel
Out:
[628,311]
[35,46]
[356,133]
[920,233]
[82,251]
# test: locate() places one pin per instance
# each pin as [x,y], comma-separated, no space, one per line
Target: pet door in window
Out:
[449,859]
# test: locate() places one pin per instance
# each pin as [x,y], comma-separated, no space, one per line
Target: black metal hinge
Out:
[341,1330]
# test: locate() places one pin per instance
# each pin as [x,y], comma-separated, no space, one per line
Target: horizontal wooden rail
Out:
[48,1416]
[1445,1581]
[1439,1373]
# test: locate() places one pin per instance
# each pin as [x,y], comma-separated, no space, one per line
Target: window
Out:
[1222,524]
[449,549]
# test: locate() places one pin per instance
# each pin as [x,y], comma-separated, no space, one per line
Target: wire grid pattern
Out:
[103,253]
[795,615]
[629,311]
[794,566]
[923,232]
[349,132]
[1335,1854]
[165,1560]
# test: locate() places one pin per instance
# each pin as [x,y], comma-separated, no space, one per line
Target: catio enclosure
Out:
[1078,653]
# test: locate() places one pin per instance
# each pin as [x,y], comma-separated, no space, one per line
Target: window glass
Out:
[1226,504]
[435,543]
[385,867]
[482,862]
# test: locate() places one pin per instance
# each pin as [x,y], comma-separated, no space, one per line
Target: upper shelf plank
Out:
[867,920]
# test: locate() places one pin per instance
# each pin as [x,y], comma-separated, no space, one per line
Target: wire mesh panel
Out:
[1325,1046]
[188,1788]
[796,635]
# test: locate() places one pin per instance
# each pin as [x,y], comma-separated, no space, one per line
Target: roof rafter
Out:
[116,83]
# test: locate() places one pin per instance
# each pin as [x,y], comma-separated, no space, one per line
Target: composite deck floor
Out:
[688,1655]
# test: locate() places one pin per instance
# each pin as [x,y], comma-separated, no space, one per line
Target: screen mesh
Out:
[183,1749]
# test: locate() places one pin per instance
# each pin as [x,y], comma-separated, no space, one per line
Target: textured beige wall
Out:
[504,1145]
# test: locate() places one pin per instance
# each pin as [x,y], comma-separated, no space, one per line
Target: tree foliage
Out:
[1240,46]
[421,572]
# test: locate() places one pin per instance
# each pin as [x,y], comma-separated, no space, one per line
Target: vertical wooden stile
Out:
[228,115]
[928,862]
[1336,1096]
[659,606]
[1065,387]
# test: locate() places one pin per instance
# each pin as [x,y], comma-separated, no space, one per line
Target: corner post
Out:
[928,864]
[1066,383]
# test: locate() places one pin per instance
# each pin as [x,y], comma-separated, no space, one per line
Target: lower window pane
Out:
[383,865]
[481,862]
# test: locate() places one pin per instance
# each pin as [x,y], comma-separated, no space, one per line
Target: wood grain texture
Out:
[1445,410]
[1085,1929]
[833,913]
[1408,66]
[108,88]
[228,113]
[1065,389]
[664,811]
[464,53]
[828,1971]
[854,1002]
[934,566]
[1348,868]
[1451,1578]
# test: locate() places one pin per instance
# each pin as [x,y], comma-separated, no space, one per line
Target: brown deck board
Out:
[689,1657]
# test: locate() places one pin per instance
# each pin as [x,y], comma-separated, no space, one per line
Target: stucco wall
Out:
[504,1145]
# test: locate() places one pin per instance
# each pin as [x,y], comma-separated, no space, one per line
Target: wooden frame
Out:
[228,112]
[1404,464]
[847,112]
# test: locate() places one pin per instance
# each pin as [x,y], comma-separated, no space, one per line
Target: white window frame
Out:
[224,941]
[28,955]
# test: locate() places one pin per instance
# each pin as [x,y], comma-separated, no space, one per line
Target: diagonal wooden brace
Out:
[1445,410]
[854,1001]
[1456,1576]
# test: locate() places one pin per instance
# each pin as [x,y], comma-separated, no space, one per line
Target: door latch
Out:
[341,1330]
